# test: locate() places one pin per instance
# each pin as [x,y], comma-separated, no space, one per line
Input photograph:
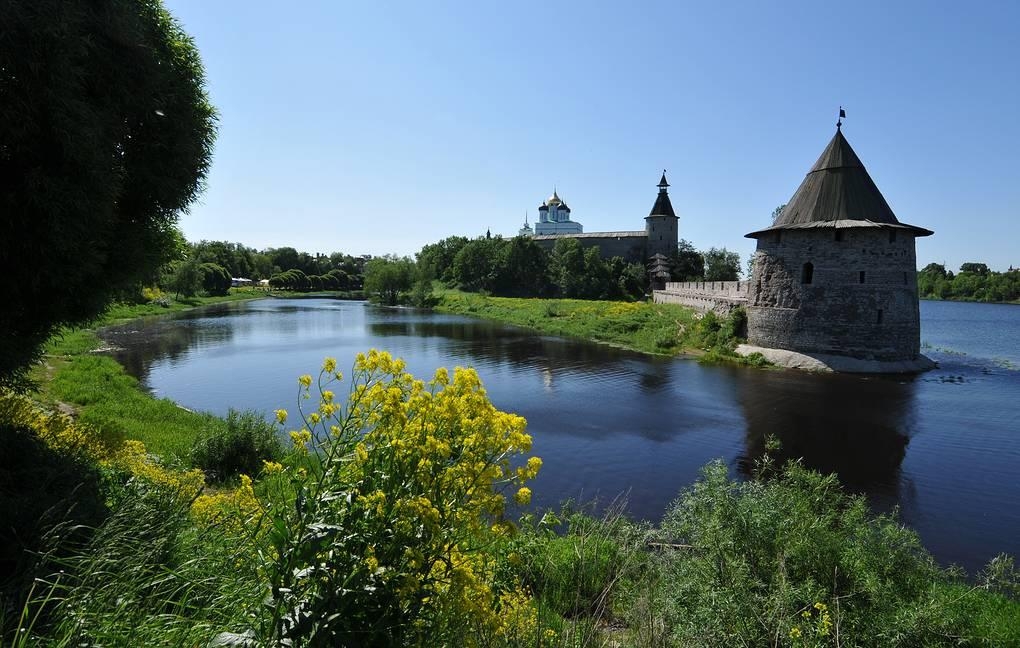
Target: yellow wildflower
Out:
[281,416]
[305,380]
[329,365]
[523,496]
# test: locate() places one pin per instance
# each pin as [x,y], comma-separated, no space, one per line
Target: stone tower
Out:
[661,224]
[836,273]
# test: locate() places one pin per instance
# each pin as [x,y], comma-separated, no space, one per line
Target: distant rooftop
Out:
[590,235]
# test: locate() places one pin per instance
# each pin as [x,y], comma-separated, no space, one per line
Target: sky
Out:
[379,127]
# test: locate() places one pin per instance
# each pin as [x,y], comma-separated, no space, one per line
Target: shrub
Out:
[577,571]
[387,540]
[793,560]
[240,449]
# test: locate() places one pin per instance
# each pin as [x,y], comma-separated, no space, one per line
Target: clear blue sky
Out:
[378,127]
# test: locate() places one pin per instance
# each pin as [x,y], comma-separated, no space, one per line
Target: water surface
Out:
[944,446]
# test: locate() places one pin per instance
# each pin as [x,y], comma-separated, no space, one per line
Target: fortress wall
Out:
[719,297]
[629,246]
[874,316]
[722,288]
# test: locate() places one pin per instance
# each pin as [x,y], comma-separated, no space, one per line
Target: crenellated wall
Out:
[719,297]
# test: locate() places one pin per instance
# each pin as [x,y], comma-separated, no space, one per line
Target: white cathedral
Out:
[553,218]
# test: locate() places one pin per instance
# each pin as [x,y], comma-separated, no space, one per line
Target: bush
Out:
[240,449]
[578,572]
[388,538]
[794,560]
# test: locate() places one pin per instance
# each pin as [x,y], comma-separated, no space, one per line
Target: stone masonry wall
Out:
[858,296]
[630,247]
[719,297]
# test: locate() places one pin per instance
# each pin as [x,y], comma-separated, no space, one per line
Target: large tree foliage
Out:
[105,136]
[387,277]
[689,264]
[974,282]
[721,265]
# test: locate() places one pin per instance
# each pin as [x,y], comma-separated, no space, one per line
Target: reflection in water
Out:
[856,427]
[607,421]
[141,343]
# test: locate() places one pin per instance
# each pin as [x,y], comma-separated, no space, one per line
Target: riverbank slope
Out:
[660,329]
[74,379]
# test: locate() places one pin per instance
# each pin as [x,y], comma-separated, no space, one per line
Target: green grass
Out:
[124,312]
[113,402]
[660,329]
[103,395]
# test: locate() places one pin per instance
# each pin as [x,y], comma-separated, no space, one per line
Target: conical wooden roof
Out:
[663,206]
[838,192]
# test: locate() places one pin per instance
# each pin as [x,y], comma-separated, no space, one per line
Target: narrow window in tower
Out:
[779,236]
[839,235]
[905,280]
[807,273]
[878,320]
[892,236]
[860,277]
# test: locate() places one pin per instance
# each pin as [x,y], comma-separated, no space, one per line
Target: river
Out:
[943,447]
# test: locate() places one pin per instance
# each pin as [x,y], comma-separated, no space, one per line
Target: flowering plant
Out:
[386,537]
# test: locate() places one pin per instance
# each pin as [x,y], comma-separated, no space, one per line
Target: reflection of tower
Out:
[547,378]
[840,424]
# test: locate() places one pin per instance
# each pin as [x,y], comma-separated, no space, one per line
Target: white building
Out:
[554,218]
[526,230]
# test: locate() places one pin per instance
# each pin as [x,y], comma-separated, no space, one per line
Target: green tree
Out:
[105,135]
[721,265]
[597,282]
[631,278]
[979,269]
[262,266]
[777,212]
[523,269]
[566,267]
[215,279]
[476,266]
[387,277]
[186,278]
[689,264]
[436,259]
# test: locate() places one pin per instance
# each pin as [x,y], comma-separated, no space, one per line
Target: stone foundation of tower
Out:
[850,292]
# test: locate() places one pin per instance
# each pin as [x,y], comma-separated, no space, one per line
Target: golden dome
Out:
[553,199]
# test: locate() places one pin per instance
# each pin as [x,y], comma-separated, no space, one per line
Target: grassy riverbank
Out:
[97,389]
[426,556]
[661,329]
[388,538]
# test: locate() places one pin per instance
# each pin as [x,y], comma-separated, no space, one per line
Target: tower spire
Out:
[842,116]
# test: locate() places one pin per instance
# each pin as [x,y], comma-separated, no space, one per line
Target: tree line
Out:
[211,266]
[520,267]
[974,282]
